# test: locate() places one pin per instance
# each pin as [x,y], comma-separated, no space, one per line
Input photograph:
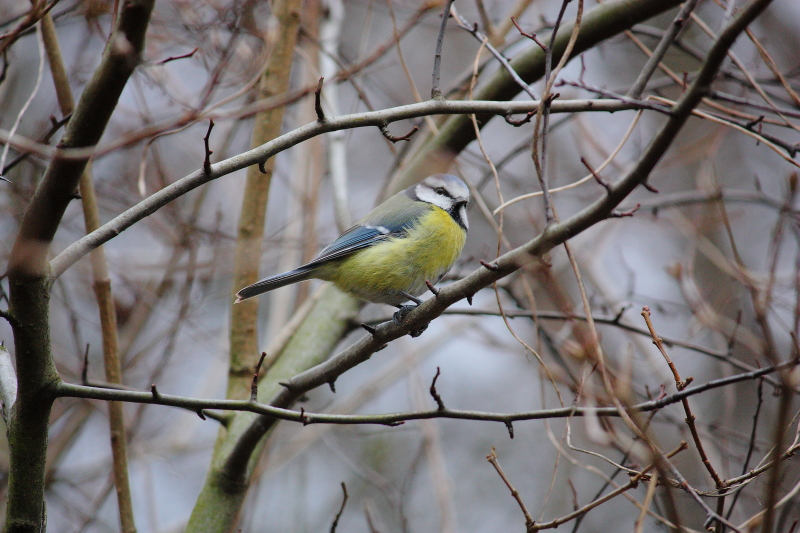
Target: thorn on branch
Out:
[381,347]
[395,423]
[371,330]
[510,427]
[201,414]
[436,397]
[431,288]
[489,266]
[154,391]
[386,133]
[531,36]
[650,187]
[618,317]
[207,160]
[622,214]
[318,102]
[286,385]
[175,58]
[303,417]
[262,167]
[341,509]
[469,298]
[597,178]
[755,122]
[254,384]
[332,385]
[85,369]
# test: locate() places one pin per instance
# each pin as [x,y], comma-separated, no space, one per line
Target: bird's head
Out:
[445,191]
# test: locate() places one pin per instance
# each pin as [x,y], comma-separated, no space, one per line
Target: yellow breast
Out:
[380,272]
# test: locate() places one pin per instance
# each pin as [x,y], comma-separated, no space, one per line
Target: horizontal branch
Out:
[258,155]
[197,405]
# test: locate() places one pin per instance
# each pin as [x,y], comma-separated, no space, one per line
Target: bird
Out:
[390,255]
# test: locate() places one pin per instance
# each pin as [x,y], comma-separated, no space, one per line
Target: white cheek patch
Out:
[462,214]
[426,194]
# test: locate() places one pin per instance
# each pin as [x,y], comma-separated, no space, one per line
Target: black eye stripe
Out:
[443,192]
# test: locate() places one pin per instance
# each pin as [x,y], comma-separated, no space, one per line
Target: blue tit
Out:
[413,237]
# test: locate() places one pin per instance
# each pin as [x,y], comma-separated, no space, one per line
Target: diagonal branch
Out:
[553,235]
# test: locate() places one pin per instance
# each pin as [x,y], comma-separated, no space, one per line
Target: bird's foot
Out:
[401,313]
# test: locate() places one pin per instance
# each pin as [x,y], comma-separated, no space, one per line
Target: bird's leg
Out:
[403,310]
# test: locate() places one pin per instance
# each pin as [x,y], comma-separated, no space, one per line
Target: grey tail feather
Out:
[274,282]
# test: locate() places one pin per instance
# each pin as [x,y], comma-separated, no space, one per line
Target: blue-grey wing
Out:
[393,218]
[357,238]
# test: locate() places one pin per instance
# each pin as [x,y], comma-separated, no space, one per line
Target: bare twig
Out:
[492,458]
[436,92]
[434,394]
[660,51]
[318,102]
[207,160]
[265,151]
[393,419]
[341,509]
[680,385]
[407,137]
[254,385]
[175,58]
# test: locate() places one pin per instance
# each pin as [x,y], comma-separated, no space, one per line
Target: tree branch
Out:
[553,235]
[258,155]
[68,390]
[29,279]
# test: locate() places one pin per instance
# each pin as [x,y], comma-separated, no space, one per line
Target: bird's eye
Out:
[440,190]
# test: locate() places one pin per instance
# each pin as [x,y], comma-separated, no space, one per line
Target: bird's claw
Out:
[401,313]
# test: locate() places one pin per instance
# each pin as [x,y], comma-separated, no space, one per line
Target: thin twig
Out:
[407,137]
[207,160]
[436,92]
[254,385]
[434,394]
[341,509]
[492,458]
[391,419]
[680,385]
[175,58]
[660,51]
[318,102]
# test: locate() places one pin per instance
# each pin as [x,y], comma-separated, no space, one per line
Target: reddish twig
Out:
[175,58]
[431,288]
[531,36]
[596,176]
[680,385]
[529,523]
